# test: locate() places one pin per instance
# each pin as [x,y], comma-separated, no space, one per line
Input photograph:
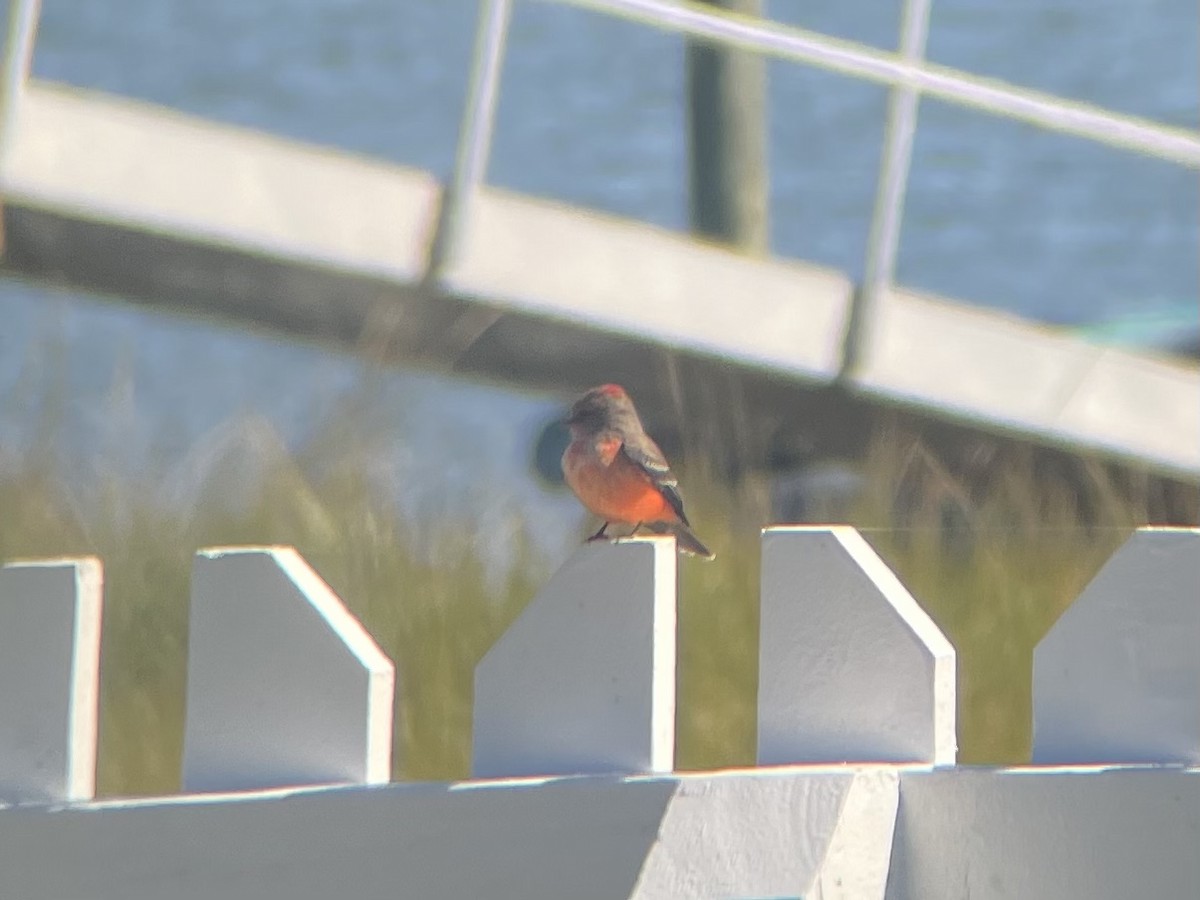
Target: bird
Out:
[619,473]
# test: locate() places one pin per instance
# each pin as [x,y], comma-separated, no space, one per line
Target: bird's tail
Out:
[684,539]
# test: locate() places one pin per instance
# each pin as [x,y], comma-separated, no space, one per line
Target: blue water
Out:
[592,112]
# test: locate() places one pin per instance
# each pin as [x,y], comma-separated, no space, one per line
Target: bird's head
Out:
[601,408]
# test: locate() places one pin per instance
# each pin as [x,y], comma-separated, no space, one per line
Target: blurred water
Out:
[591,112]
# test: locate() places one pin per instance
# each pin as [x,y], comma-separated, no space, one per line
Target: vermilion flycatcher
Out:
[619,473]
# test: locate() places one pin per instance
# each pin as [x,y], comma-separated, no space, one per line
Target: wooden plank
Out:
[584,680]
[851,669]
[49,679]
[285,686]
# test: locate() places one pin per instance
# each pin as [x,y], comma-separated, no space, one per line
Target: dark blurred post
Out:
[727,162]
[727,139]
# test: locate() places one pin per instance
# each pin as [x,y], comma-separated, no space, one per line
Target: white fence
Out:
[288,729]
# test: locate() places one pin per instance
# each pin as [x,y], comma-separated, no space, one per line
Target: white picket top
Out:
[285,686]
[1117,679]
[851,669]
[584,680]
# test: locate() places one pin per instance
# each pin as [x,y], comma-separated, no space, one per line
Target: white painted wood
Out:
[736,834]
[983,365]
[570,839]
[50,615]
[285,687]
[624,276]
[851,669]
[1117,679]
[792,832]
[154,167]
[584,680]
[858,860]
[786,832]
[1046,834]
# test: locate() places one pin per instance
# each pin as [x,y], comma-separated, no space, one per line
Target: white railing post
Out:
[18,54]
[475,134]
[879,266]
[851,669]
[584,680]
[49,679]
[1117,679]
[285,686]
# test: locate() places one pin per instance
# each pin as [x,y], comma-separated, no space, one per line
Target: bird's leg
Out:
[599,534]
[636,528]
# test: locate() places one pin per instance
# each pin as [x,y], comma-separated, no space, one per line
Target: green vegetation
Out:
[994,564]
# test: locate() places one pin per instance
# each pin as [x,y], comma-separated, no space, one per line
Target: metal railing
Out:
[907,72]
[14,71]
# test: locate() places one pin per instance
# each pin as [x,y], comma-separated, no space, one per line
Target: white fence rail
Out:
[856,795]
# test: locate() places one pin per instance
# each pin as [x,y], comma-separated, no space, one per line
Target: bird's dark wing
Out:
[645,454]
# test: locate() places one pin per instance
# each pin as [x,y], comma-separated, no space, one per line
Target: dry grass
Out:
[994,563]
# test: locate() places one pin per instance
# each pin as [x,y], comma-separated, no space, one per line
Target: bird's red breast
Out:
[611,485]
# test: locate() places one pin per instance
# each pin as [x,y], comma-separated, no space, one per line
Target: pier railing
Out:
[906,71]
